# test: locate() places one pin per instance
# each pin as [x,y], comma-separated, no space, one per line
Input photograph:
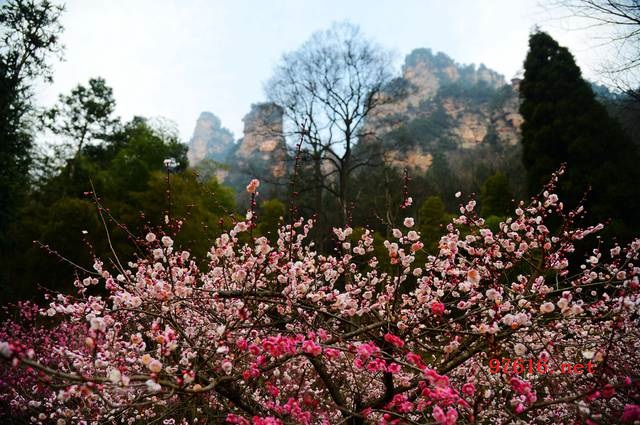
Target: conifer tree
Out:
[564,123]
[29,31]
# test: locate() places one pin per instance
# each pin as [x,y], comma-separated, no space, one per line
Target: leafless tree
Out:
[332,82]
[616,23]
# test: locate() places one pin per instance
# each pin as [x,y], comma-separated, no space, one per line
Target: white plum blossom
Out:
[5,349]
[153,386]
[97,324]
[493,295]
[413,235]
[547,307]
[520,349]
[167,241]
[114,376]
[155,366]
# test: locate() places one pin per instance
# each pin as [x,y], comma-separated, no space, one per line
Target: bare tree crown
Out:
[333,81]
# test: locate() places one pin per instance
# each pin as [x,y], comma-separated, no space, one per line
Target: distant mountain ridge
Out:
[444,112]
[443,107]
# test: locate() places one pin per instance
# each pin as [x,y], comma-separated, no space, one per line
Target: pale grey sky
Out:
[175,59]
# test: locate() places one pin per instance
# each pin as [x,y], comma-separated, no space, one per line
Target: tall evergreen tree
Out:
[564,123]
[29,32]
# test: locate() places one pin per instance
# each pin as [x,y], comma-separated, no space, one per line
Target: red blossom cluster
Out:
[278,333]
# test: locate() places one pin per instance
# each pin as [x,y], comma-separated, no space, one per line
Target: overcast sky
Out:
[175,59]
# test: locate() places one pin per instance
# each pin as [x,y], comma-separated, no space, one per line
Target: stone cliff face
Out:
[262,151]
[441,106]
[210,140]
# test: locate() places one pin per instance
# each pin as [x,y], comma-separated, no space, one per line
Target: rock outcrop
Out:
[440,106]
[210,140]
[262,150]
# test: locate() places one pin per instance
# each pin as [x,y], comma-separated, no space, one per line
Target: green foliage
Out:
[57,226]
[432,219]
[565,123]
[428,132]
[501,97]
[134,189]
[493,222]
[496,196]
[208,169]
[441,180]
[269,218]
[200,205]
[28,36]
[84,115]
[137,151]
[479,92]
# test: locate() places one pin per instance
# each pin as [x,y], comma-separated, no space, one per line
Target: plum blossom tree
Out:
[278,334]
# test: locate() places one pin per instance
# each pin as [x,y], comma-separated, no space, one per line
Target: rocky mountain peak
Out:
[263,145]
[427,72]
[441,108]
[261,152]
[210,140]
